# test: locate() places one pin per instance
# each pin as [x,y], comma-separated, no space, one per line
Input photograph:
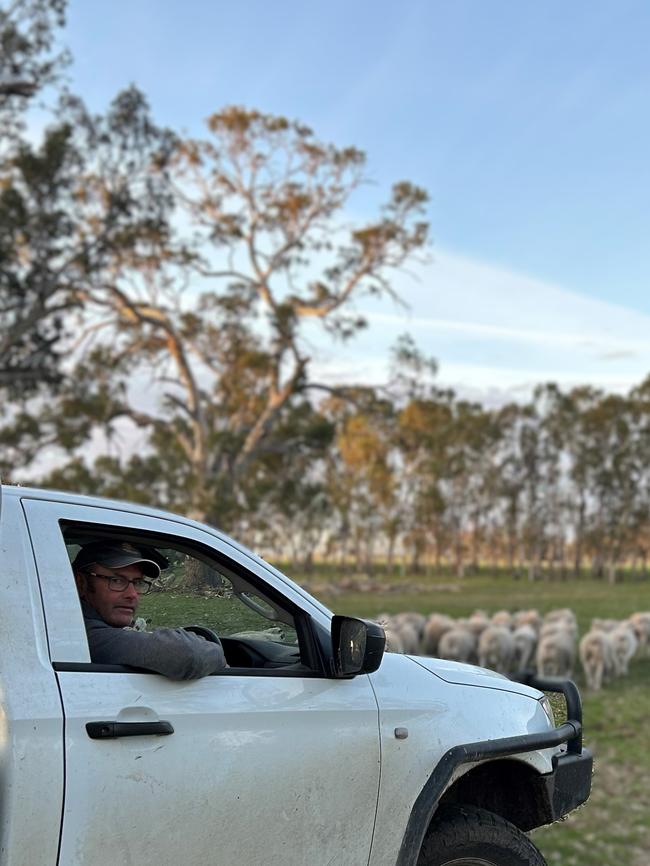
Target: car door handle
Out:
[111,730]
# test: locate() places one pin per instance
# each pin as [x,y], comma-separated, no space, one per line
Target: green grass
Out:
[613,828]
[219,614]
[588,598]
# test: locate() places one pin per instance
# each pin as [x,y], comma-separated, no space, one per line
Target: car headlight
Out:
[548,709]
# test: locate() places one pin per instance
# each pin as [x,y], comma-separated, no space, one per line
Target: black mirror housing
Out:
[357,646]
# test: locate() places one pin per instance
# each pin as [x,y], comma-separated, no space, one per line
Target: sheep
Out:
[437,625]
[393,640]
[563,621]
[525,641]
[597,658]
[495,648]
[561,616]
[625,645]
[527,617]
[640,622]
[606,625]
[502,617]
[408,636]
[458,644]
[478,622]
[555,655]
[563,626]
[417,620]
[605,651]
[413,625]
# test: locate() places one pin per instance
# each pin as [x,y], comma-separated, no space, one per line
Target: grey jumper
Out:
[174,652]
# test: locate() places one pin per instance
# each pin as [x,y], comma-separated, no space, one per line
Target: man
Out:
[111,576]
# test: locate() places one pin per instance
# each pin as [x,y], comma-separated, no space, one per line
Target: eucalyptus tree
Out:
[209,308]
[29,57]
[520,487]
[617,477]
[85,213]
[363,476]
[289,511]
[569,422]
[33,183]
[641,398]
[425,425]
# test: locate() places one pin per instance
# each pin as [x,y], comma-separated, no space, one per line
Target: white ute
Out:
[313,747]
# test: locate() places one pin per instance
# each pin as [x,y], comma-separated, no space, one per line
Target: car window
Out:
[192,591]
[257,628]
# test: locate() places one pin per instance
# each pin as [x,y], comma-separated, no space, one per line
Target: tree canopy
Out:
[189,267]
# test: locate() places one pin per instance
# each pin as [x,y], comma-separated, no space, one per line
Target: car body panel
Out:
[462,674]
[31,717]
[437,715]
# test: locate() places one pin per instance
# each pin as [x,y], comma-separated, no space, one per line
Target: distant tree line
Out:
[155,298]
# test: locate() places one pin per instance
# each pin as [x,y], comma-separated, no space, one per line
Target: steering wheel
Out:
[202,631]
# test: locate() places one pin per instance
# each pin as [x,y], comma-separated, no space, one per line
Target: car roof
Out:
[114,504]
[136,508]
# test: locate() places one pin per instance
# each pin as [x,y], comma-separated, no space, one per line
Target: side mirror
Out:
[357,646]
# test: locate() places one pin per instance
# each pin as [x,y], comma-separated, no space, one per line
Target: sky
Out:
[528,124]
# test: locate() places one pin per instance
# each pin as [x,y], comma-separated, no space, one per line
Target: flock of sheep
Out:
[510,642]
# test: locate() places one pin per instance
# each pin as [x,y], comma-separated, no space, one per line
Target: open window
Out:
[260,630]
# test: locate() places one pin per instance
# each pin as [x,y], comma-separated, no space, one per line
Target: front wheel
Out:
[468,836]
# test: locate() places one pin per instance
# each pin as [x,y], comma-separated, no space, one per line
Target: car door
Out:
[273,767]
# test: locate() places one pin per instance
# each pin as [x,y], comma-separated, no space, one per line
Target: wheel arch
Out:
[507,787]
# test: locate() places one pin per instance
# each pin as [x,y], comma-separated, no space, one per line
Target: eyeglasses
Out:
[117,583]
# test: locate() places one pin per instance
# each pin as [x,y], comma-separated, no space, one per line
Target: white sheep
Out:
[606,625]
[555,655]
[417,620]
[496,648]
[458,644]
[625,644]
[525,641]
[530,617]
[408,636]
[410,626]
[641,624]
[393,640]
[502,617]
[478,622]
[597,658]
[561,616]
[437,625]
[567,626]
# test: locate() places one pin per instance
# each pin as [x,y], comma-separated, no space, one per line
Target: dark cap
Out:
[119,554]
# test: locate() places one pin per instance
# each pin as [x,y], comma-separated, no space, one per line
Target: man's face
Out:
[115,608]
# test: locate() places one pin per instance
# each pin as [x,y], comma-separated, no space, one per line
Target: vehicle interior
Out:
[258,630]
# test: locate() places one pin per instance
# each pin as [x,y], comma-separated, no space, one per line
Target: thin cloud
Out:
[623,355]
[490,328]
[523,335]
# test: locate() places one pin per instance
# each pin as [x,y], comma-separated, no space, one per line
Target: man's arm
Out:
[174,652]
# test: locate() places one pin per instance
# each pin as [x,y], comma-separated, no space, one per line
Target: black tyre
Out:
[467,836]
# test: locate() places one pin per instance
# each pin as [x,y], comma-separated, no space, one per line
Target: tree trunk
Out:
[200,577]
[612,572]
[459,560]
[579,542]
